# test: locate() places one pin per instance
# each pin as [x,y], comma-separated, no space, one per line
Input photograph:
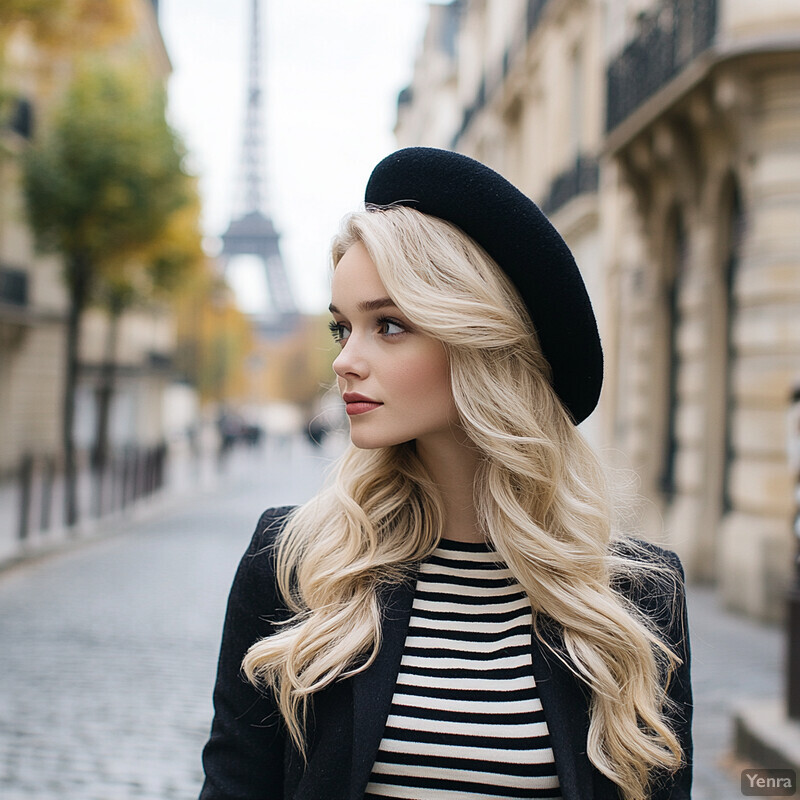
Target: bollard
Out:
[25,493]
[48,485]
[793,599]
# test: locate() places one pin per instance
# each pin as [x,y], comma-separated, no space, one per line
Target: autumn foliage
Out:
[106,188]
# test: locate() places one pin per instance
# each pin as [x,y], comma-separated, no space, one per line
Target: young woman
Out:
[454,615]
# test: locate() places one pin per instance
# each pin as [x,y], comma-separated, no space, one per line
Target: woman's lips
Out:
[356,403]
[360,407]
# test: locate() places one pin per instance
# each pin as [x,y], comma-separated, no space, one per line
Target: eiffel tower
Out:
[252,231]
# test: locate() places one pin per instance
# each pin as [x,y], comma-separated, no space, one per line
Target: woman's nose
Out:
[351,359]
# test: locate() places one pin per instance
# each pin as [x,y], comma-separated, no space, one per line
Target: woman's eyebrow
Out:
[368,305]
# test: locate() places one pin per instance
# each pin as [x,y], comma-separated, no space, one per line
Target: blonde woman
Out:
[454,616]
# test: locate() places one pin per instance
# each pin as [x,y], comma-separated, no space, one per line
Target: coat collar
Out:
[374,687]
[564,700]
[566,709]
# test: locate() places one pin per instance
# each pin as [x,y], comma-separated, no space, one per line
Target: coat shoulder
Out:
[652,578]
[270,524]
[646,552]
[255,582]
[258,561]
[639,566]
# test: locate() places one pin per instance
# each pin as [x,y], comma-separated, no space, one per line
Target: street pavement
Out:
[108,650]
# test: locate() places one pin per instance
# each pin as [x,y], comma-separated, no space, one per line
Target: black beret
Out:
[523,242]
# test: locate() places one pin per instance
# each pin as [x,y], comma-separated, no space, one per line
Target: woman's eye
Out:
[385,327]
[338,331]
[390,327]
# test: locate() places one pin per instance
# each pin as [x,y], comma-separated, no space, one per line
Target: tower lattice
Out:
[251,231]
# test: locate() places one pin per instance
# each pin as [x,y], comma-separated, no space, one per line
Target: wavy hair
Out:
[540,495]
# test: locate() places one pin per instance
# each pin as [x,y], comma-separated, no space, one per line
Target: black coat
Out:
[249,756]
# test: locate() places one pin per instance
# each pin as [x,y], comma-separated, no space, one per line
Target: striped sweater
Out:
[466,720]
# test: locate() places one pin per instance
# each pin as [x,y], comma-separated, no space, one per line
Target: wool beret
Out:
[518,236]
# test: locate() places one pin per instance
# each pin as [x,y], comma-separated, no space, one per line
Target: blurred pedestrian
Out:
[793,446]
[454,615]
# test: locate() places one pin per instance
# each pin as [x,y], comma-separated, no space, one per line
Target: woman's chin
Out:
[364,441]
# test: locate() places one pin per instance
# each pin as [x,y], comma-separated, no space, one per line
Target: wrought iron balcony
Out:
[580,178]
[670,36]
[13,286]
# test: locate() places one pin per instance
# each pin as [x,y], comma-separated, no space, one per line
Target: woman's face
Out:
[401,372]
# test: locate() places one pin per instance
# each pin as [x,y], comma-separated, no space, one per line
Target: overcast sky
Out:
[332,70]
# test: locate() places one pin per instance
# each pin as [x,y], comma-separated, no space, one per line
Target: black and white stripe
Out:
[466,720]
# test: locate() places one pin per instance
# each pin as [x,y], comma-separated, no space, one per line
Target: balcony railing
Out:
[13,286]
[580,178]
[670,36]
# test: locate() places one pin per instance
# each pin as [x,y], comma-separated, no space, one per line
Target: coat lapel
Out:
[564,699]
[566,709]
[373,689]
[329,726]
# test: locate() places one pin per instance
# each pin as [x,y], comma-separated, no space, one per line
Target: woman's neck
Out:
[452,465]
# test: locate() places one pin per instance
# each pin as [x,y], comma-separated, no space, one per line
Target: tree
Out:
[58,29]
[214,338]
[103,182]
[59,26]
[156,271]
[56,22]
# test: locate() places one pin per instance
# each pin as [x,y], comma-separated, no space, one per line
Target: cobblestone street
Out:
[109,650]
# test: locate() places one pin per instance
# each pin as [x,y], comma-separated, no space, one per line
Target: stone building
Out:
[34,302]
[662,137]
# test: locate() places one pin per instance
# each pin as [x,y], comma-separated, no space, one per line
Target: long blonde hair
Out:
[540,495]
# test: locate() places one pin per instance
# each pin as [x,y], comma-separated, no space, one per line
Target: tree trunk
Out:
[78,282]
[105,392]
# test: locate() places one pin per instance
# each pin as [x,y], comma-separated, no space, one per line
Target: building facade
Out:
[662,137]
[34,301]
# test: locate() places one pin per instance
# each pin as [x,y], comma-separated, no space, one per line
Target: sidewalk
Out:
[187,474]
[734,660]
